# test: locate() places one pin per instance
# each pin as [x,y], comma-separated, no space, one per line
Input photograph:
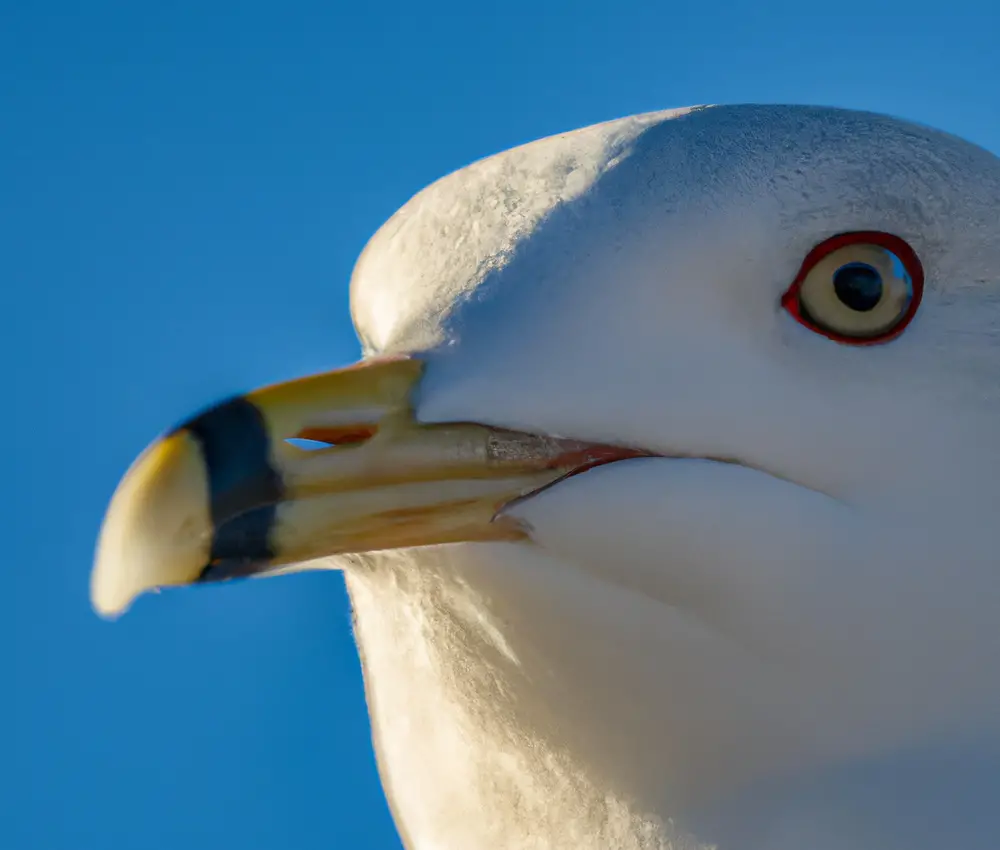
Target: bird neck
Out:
[926,799]
[472,680]
[513,708]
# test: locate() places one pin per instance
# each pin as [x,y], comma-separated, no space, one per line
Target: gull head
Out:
[674,454]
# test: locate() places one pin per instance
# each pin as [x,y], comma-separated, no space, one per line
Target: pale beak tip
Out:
[156,529]
[119,575]
[108,599]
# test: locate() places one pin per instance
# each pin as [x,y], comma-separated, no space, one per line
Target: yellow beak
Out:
[227,495]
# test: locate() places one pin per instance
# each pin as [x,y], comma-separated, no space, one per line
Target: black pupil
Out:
[858,286]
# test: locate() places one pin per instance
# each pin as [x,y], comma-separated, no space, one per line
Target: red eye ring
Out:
[907,256]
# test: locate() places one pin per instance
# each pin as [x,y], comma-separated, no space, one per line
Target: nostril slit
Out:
[307,445]
[315,439]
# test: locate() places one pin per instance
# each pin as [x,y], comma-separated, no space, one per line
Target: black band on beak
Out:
[244,487]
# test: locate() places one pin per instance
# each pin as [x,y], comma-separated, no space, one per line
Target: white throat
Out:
[512,709]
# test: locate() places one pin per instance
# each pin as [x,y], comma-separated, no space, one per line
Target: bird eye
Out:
[857,288]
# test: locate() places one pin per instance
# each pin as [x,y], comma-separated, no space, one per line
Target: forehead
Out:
[448,237]
[799,173]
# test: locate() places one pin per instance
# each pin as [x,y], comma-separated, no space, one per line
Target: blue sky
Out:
[184,188]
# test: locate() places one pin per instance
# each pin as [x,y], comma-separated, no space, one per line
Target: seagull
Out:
[666,492]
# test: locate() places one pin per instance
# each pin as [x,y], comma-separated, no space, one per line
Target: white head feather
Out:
[688,645]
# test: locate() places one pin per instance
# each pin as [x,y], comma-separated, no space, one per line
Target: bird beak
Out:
[227,495]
